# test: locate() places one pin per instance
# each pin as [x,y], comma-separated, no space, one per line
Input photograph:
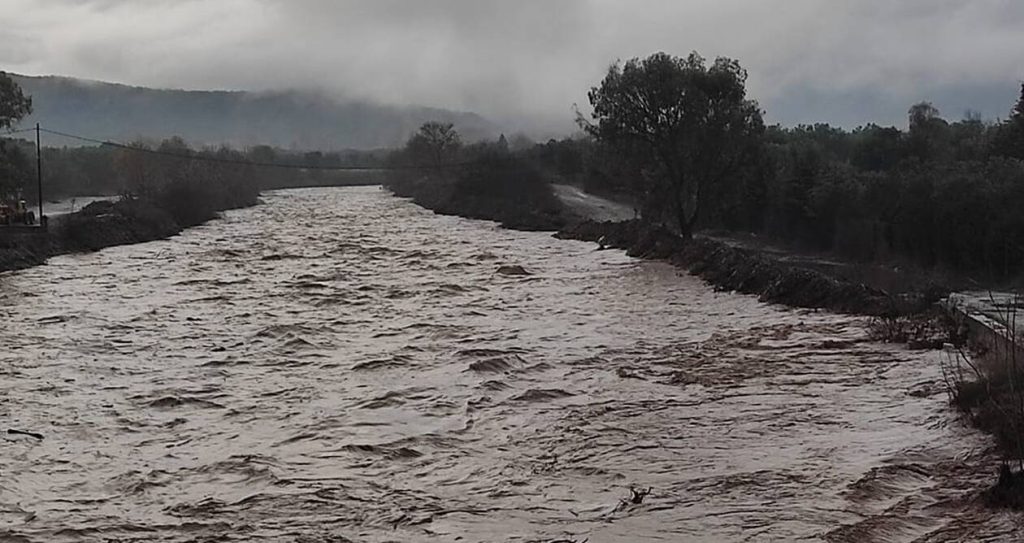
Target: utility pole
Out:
[39,174]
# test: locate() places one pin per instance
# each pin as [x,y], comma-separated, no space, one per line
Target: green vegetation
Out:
[113,170]
[680,140]
[938,195]
[690,126]
[160,188]
[14,106]
[485,180]
[677,138]
[191,190]
[160,194]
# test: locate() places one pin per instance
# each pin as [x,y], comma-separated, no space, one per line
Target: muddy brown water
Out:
[341,365]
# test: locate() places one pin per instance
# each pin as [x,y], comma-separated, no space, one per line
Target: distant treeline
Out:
[948,194]
[112,170]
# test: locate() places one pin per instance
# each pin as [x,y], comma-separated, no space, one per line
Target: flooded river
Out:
[341,365]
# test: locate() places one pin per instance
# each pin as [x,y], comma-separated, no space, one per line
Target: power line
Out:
[242,162]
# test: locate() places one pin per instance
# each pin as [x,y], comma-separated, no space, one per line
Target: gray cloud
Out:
[525,63]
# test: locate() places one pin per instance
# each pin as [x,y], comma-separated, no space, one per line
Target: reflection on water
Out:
[341,365]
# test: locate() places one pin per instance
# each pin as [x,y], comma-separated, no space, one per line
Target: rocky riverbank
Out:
[743,270]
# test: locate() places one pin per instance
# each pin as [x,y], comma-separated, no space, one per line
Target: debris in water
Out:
[14,432]
[636,496]
[513,270]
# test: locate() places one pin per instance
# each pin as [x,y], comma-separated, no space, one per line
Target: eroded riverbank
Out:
[341,363]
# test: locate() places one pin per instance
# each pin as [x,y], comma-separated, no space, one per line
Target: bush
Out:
[483,181]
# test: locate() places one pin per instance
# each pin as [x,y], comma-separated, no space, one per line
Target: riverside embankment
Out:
[107,223]
[728,266]
[731,267]
[366,374]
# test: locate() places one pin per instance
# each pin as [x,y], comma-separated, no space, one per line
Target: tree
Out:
[314,161]
[15,168]
[434,142]
[1017,115]
[690,124]
[876,148]
[14,105]
[928,136]
[921,115]
[138,172]
[1009,137]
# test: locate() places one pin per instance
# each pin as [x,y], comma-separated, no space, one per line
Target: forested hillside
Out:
[290,120]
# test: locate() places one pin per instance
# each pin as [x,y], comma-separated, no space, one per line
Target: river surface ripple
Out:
[341,365]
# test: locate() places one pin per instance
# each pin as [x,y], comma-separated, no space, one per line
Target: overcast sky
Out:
[528,61]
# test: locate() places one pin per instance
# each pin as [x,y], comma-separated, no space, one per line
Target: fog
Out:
[524,64]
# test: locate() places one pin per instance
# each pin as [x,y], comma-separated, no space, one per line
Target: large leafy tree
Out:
[14,105]
[928,134]
[434,143]
[690,123]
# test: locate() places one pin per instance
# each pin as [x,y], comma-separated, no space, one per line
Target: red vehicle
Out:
[16,214]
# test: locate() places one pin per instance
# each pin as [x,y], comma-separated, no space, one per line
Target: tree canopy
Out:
[14,105]
[1010,139]
[690,123]
[434,143]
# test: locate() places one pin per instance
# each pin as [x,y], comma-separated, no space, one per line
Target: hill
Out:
[287,119]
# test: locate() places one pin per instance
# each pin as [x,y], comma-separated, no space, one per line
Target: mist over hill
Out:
[287,119]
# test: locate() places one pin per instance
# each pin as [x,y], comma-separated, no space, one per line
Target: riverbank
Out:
[109,223]
[724,265]
[904,302]
[501,189]
[730,267]
[985,381]
[981,371]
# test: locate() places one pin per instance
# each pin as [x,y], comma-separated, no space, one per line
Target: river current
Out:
[341,365]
